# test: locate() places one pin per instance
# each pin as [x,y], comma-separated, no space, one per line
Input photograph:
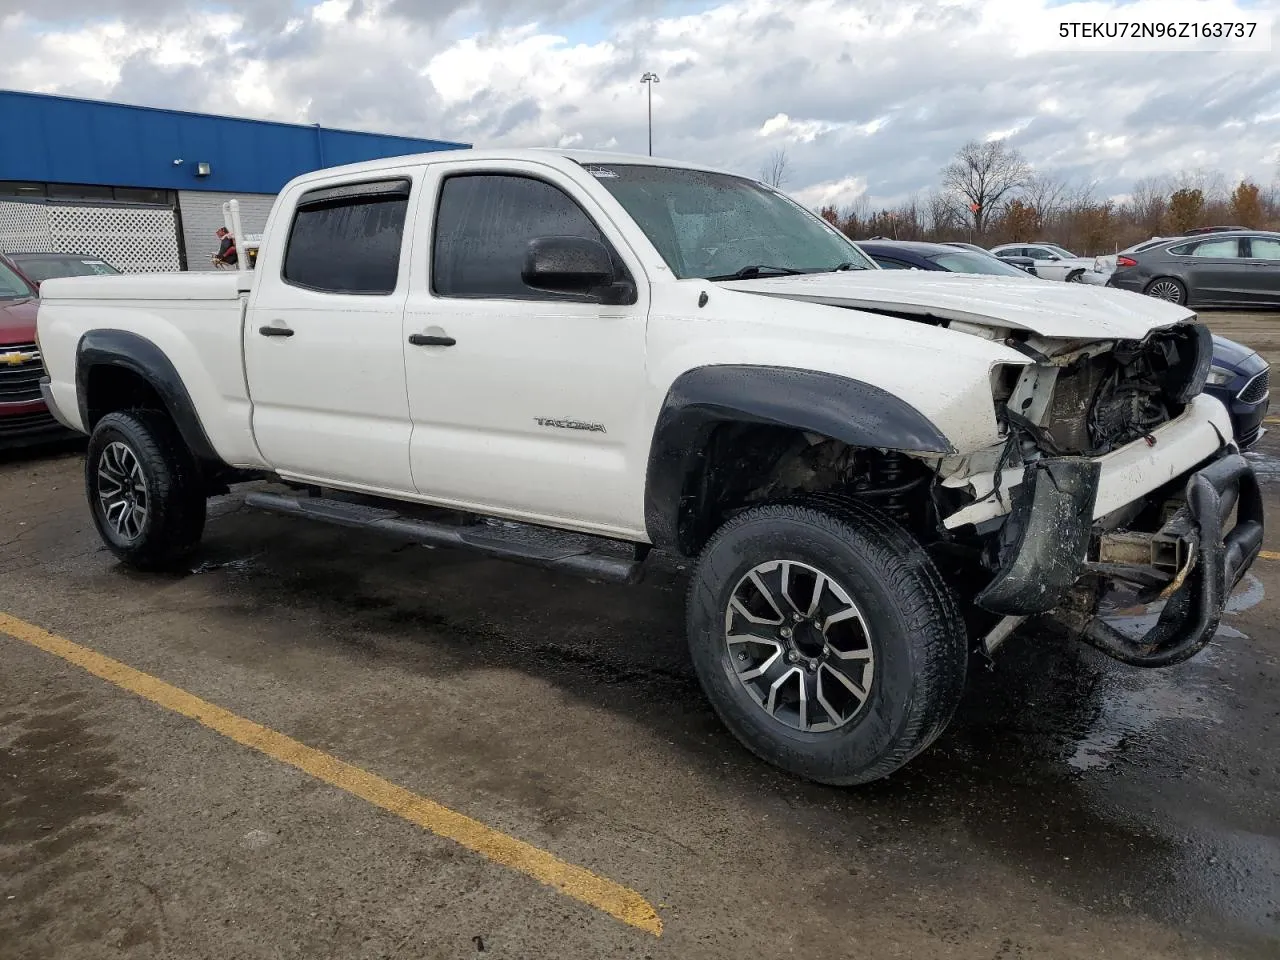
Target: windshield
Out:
[712,225]
[12,286]
[41,269]
[963,261]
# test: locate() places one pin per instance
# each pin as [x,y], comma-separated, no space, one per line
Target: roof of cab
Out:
[555,156]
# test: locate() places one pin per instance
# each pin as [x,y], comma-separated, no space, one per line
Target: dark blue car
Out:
[1241,380]
[1239,377]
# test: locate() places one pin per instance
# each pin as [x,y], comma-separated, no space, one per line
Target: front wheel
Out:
[825,639]
[144,489]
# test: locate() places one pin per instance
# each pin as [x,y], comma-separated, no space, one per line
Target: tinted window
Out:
[1217,248]
[887,263]
[12,286]
[1265,248]
[964,261]
[41,269]
[1182,249]
[1039,253]
[484,223]
[347,239]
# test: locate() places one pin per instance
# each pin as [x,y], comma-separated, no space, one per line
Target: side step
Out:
[556,550]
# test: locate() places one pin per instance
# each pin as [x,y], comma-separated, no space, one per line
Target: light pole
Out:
[649,79]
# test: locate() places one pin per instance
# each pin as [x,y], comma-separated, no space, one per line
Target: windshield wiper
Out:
[847,265]
[756,270]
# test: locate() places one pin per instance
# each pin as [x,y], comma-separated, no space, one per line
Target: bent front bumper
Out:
[1052,522]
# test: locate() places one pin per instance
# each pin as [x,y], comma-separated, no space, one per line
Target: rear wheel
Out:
[1167,288]
[825,639]
[144,489]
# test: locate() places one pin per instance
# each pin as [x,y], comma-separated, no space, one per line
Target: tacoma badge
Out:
[571,424]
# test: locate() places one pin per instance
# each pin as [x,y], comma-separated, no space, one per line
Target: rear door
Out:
[1264,269]
[1217,271]
[323,343]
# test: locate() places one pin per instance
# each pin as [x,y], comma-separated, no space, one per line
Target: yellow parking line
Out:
[577,882]
[1269,555]
[1271,420]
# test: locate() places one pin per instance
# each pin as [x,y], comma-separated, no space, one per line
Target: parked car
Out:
[24,417]
[1219,270]
[1051,261]
[1241,379]
[39,267]
[914,255]
[870,472]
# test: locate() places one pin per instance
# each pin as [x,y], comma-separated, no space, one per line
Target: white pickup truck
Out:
[878,474]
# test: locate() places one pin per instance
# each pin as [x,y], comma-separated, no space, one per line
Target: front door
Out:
[1218,273]
[323,342]
[1264,270]
[524,403]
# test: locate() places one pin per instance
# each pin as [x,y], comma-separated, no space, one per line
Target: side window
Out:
[1264,248]
[888,263]
[1217,248]
[346,239]
[484,223]
[1182,249]
[1039,253]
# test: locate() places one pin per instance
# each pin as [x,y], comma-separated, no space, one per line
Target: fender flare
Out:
[858,413]
[137,354]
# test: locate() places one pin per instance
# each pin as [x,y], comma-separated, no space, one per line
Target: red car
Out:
[24,418]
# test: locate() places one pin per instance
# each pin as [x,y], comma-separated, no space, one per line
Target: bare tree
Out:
[1149,204]
[777,169]
[984,173]
[1044,194]
[944,213]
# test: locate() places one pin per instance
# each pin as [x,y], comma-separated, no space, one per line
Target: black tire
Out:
[174,494]
[1075,277]
[913,627]
[1175,289]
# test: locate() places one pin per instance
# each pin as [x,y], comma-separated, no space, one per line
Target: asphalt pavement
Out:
[321,744]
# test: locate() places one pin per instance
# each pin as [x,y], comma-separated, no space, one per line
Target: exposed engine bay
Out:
[1091,400]
[1024,528]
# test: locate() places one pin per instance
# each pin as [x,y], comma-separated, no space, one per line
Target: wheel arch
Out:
[706,398]
[116,369]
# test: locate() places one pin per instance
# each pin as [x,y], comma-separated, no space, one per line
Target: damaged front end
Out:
[1115,476]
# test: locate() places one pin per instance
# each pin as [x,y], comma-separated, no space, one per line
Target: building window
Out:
[19,188]
[75,191]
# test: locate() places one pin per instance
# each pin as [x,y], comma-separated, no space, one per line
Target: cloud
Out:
[868,99]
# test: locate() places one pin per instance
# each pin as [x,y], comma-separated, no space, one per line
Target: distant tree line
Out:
[989,194]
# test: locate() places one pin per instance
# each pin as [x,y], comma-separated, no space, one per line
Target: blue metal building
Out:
[59,152]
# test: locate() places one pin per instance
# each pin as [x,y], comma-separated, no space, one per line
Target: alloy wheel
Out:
[1166,290]
[122,491]
[799,645]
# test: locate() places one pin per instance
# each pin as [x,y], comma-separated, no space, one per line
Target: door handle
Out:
[427,340]
[270,331]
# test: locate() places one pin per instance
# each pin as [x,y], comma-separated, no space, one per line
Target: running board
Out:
[564,552]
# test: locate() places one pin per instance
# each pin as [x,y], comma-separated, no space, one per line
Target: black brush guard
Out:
[1053,519]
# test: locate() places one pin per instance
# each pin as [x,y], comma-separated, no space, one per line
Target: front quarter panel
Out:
[942,374]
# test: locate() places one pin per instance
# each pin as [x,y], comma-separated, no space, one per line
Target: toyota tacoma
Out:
[570,359]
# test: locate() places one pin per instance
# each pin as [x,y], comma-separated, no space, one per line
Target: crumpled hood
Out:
[1072,311]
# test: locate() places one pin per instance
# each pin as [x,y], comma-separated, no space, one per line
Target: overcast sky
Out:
[867,96]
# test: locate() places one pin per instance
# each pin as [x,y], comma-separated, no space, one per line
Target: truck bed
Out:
[213,285]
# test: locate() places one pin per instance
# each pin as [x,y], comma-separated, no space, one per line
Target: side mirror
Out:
[569,265]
